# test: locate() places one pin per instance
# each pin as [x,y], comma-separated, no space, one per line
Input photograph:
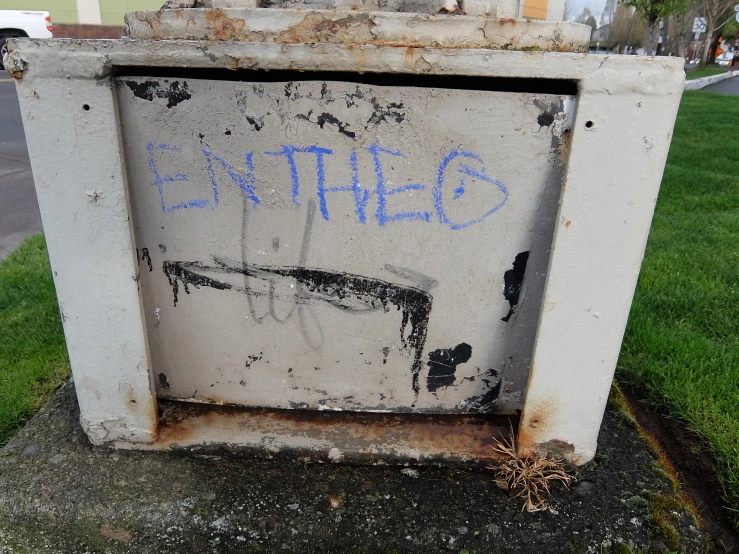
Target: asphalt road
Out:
[729,86]
[19,213]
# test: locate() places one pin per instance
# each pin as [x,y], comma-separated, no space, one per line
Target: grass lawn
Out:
[707,71]
[682,341]
[33,357]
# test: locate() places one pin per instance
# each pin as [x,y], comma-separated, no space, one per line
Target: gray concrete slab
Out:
[729,87]
[60,494]
[19,212]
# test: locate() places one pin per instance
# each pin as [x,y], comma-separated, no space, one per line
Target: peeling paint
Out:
[513,280]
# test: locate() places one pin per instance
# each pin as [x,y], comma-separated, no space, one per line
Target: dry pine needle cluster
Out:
[530,478]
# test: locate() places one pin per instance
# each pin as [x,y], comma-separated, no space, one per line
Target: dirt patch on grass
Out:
[696,471]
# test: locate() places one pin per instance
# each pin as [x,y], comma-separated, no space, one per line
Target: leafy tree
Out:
[731,29]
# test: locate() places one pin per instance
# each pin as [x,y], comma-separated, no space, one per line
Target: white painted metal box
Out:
[439,234]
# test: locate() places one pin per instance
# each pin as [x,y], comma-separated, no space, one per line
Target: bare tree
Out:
[609,12]
[569,13]
[627,28]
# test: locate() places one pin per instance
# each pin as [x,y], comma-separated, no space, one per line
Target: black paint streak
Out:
[291,91]
[326,96]
[163,249]
[148,90]
[251,359]
[443,364]
[227,132]
[548,113]
[145,257]
[176,271]
[324,118]
[257,124]
[345,291]
[163,381]
[484,403]
[276,244]
[385,354]
[545,119]
[513,279]
[394,111]
[391,112]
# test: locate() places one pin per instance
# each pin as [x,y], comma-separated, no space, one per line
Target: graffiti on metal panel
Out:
[456,172]
[344,291]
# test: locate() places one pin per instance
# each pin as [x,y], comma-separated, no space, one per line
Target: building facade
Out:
[86,12]
[111,12]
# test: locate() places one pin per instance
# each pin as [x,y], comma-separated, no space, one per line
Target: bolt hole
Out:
[132,401]
[86,107]
[589,124]
[534,423]
[567,131]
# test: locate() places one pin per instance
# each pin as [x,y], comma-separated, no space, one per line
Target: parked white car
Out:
[725,58]
[23,23]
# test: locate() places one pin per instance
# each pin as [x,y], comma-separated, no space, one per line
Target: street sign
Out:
[700,24]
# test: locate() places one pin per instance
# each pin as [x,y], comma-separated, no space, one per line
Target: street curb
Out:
[697,84]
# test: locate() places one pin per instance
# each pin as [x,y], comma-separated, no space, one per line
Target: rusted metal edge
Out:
[321,436]
[293,26]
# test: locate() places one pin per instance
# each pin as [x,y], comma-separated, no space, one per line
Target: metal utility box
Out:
[347,233]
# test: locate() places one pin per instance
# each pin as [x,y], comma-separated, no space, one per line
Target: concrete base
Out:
[58,493]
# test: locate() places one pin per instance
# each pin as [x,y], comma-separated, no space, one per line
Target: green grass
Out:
[682,341]
[704,72]
[33,356]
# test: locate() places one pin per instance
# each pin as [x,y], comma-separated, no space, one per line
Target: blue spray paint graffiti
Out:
[461,189]
[161,180]
[455,173]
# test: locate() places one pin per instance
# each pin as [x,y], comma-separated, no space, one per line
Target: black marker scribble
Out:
[148,90]
[145,257]
[345,291]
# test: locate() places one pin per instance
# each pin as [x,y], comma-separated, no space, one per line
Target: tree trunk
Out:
[651,24]
[680,35]
[708,41]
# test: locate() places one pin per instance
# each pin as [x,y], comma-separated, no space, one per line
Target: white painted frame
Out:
[624,118]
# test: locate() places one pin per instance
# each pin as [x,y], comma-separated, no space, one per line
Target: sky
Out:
[595,6]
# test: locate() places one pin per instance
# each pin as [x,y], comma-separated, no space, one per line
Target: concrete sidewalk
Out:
[60,494]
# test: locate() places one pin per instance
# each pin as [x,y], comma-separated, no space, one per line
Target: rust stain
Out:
[222,27]
[563,147]
[567,224]
[447,435]
[409,53]
[351,27]
[533,421]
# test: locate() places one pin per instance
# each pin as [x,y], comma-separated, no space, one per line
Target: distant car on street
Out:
[22,23]
[725,58]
